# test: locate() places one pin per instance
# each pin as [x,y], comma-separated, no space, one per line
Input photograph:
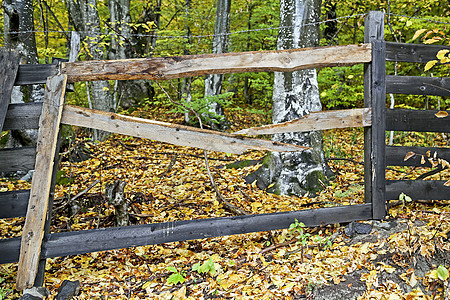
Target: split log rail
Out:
[37,243]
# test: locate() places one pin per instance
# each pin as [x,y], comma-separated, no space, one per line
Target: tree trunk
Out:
[213,83]
[295,94]
[19,35]
[84,17]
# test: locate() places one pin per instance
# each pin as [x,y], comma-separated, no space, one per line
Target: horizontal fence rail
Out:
[415,53]
[162,68]
[416,120]
[15,159]
[418,189]
[14,204]
[79,242]
[418,85]
[395,155]
[22,116]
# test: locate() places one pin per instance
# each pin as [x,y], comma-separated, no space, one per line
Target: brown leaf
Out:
[408,155]
[441,114]
[422,160]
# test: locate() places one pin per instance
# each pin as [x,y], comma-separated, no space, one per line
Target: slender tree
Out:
[213,83]
[19,35]
[295,94]
[84,17]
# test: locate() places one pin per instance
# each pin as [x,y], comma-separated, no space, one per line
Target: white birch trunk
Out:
[18,17]
[213,83]
[295,94]
[84,17]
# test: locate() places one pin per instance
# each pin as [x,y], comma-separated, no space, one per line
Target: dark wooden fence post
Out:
[375,98]
[9,60]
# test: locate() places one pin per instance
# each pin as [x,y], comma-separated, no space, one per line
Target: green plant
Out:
[206,267]
[297,228]
[176,276]
[404,199]
[4,292]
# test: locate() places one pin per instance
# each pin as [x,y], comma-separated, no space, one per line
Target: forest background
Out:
[170,28]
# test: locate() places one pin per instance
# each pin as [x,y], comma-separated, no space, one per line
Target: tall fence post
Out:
[375,98]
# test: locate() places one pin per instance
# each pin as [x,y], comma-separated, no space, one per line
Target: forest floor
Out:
[394,259]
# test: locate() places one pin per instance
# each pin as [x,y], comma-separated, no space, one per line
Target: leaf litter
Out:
[170,183]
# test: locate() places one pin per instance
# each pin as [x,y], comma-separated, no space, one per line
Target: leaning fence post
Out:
[375,98]
[33,231]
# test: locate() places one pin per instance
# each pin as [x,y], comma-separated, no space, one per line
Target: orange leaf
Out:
[441,114]
[447,183]
[409,155]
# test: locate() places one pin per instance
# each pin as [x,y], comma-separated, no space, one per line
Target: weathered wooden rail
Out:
[37,243]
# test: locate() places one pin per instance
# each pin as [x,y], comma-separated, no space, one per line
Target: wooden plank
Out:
[378,156]
[23,116]
[69,243]
[416,53]
[79,242]
[321,120]
[35,73]
[9,250]
[418,85]
[418,189]
[33,230]
[9,62]
[15,159]
[395,155]
[162,68]
[416,120]
[373,30]
[168,133]
[14,203]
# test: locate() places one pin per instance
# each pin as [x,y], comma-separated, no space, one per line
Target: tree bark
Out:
[295,94]
[84,17]
[213,83]
[19,35]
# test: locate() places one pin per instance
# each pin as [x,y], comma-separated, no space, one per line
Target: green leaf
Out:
[442,273]
[176,278]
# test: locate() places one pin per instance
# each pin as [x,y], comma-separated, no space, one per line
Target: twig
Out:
[227,205]
[172,162]
[192,155]
[125,38]
[85,190]
[429,173]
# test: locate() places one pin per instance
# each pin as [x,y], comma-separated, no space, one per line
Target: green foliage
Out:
[176,276]
[442,273]
[202,106]
[206,267]
[4,292]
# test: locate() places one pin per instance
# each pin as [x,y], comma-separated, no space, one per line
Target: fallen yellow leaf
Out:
[441,114]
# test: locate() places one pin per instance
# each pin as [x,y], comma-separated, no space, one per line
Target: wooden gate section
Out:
[416,120]
[373,117]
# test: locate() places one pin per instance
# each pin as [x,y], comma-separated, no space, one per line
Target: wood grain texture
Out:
[169,133]
[162,68]
[17,159]
[395,155]
[33,230]
[416,120]
[9,62]
[418,85]
[322,120]
[418,189]
[14,204]
[23,116]
[35,73]
[416,53]
[70,243]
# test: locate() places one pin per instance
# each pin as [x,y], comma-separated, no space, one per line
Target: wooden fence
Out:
[37,243]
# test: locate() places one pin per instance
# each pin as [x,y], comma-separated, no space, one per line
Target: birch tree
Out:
[213,83]
[19,35]
[295,94]
[84,17]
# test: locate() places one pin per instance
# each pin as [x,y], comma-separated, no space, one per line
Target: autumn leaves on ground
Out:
[169,183]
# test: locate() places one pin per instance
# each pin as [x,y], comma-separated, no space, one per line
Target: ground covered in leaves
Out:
[169,183]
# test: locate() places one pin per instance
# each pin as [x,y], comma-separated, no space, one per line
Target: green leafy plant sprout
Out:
[206,267]
[176,276]
[297,228]
[4,292]
[404,199]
